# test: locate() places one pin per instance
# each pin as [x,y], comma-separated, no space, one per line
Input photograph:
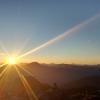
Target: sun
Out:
[12,60]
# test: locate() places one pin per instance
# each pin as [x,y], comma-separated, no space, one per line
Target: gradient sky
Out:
[26,24]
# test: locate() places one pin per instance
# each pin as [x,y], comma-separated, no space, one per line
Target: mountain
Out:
[60,73]
[92,82]
[72,82]
[13,88]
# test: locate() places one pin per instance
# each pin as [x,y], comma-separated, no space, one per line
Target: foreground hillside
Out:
[84,85]
[87,88]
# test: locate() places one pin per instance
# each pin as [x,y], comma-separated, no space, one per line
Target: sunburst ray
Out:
[29,90]
[4,49]
[3,65]
[4,77]
[2,73]
[25,70]
[61,36]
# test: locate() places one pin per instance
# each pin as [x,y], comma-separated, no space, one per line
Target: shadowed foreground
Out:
[12,88]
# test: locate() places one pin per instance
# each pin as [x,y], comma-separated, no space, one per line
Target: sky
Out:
[27,24]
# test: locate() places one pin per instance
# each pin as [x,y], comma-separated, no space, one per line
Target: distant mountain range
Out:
[72,79]
[60,73]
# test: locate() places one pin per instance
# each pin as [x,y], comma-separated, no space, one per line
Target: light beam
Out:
[3,65]
[4,49]
[2,73]
[25,70]
[29,90]
[61,36]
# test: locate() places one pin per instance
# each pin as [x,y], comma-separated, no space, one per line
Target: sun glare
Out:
[12,60]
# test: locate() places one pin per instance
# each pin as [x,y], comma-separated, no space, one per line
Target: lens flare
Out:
[63,35]
[12,60]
